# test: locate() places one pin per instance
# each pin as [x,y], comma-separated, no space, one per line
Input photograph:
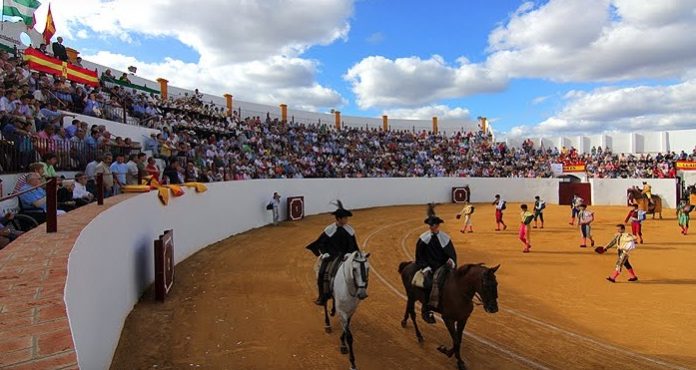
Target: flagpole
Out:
[2,22]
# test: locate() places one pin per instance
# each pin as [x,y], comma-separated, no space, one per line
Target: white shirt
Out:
[91,170]
[500,204]
[80,191]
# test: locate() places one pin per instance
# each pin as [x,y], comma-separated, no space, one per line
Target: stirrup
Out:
[428,317]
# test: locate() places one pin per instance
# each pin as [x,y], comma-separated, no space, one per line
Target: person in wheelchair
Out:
[8,231]
[33,202]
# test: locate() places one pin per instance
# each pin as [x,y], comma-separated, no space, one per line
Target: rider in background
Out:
[647,191]
[434,253]
[337,240]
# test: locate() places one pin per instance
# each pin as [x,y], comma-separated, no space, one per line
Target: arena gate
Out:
[461,194]
[295,208]
[566,190]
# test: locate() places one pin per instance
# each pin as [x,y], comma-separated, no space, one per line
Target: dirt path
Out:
[246,302]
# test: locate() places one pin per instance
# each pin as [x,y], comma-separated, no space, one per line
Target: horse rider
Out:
[436,257]
[337,240]
[647,192]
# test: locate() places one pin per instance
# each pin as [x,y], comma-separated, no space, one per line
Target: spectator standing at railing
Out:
[92,140]
[152,169]
[132,172]
[92,106]
[172,174]
[91,172]
[72,129]
[42,49]
[120,170]
[59,50]
[104,167]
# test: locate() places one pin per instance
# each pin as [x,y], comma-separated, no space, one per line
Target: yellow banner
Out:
[686,165]
[574,168]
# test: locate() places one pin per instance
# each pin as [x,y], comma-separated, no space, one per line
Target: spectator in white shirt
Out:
[80,193]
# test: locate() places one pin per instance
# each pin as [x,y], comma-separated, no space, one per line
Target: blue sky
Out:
[569,66]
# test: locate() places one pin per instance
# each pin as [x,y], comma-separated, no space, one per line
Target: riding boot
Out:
[434,301]
[320,287]
[427,314]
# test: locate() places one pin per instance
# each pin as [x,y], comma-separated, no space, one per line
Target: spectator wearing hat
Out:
[435,253]
[337,240]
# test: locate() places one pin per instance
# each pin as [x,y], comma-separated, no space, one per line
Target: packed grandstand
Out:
[200,141]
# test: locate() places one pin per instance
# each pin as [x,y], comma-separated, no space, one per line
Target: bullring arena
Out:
[136,230]
[246,302]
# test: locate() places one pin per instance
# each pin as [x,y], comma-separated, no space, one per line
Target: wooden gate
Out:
[566,190]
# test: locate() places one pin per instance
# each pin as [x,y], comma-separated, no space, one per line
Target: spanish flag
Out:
[50,29]
[43,63]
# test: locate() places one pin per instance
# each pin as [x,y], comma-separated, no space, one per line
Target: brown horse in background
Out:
[456,300]
[636,196]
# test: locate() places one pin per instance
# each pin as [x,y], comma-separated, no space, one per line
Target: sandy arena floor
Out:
[246,302]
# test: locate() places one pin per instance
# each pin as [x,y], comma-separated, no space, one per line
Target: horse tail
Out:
[403,265]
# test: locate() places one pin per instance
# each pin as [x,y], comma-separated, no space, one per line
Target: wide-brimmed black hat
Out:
[432,218]
[341,212]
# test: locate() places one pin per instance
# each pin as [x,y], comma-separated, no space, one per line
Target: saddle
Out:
[330,273]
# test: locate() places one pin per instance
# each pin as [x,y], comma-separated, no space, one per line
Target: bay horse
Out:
[349,288]
[636,196]
[456,300]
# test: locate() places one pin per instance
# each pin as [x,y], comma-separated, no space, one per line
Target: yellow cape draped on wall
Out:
[163,191]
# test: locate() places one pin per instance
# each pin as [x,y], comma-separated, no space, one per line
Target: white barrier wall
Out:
[111,263]
[613,191]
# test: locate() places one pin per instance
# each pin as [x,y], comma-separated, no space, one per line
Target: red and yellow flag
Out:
[43,63]
[50,29]
[686,165]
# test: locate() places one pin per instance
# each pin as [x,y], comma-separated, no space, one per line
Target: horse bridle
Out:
[363,273]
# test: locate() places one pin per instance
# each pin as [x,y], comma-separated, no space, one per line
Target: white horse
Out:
[349,288]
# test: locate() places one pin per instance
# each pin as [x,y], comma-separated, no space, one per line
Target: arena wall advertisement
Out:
[112,263]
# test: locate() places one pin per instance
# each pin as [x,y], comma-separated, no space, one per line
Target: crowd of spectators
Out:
[197,141]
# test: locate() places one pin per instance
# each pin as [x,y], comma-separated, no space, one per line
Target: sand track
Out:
[246,302]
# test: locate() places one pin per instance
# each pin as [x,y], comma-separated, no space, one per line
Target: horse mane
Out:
[464,269]
[403,265]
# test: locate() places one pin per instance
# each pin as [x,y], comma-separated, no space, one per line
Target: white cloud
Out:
[442,112]
[596,40]
[82,34]
[381,82]
[275,80]
[540,99]
[641,108]
[249,48]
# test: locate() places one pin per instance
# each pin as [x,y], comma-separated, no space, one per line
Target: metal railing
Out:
[16,155]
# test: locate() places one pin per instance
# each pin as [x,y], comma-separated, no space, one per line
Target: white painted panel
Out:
[613,191]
